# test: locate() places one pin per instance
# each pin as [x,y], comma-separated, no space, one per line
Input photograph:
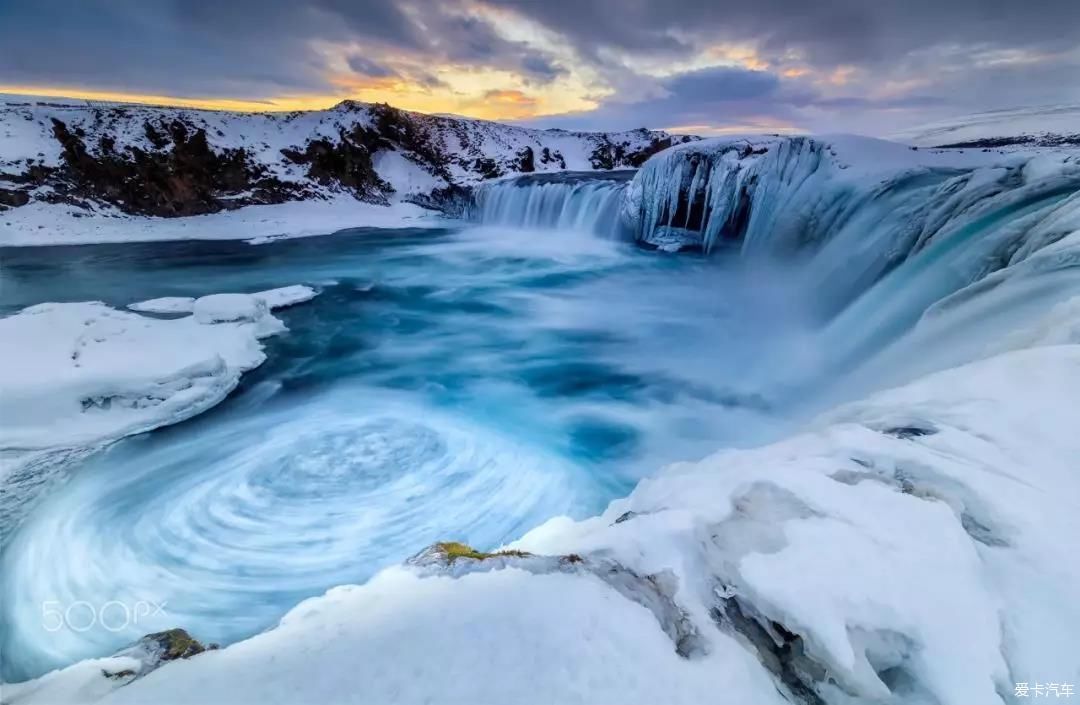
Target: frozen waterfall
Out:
[855,209]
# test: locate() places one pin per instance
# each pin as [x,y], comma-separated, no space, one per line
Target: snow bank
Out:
[165,304]
[41,223]
[909,548]
[82,373]
[211,306]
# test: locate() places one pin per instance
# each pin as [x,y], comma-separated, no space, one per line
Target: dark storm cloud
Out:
[367,67]
[933,56]
[470,40]
[541,67]
[693,98]
[240,49]
[722,83]
[828,31]
[235,48]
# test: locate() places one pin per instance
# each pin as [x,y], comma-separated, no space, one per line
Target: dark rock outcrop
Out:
[172,644]
[154,650]
[452,200]
[184,177]
[13,199]
[345,164]
[549,157]
[615,155]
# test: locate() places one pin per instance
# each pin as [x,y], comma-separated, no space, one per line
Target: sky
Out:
[708,67]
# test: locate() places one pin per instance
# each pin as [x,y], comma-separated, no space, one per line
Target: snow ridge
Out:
[94,156]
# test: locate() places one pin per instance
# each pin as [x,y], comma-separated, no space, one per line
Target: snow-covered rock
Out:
[76,374]
[217,308]
[286,295]
[164,304]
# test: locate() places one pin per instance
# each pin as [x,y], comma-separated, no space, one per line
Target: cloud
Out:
[825,65]
[541,67]
[367,67]
[825,31]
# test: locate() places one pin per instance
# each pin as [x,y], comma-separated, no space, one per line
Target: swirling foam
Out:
[231,526]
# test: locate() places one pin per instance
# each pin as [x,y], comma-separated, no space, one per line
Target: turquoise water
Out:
[446,384]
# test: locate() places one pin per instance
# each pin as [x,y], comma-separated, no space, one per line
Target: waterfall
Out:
[851,209]
[584,202]
[895,246]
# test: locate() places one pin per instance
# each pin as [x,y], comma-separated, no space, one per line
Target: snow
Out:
[1037,122]
[408,177]
[44,224]
[165,304]
[84,373]
[925,565]
[505,636]
[83,682]
[217,308]
[947,544]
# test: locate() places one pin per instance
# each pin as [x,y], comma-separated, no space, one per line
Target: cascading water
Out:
[880,231]
[585,202]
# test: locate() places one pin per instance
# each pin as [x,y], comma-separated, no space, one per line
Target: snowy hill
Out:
[1039,126]
[157,161]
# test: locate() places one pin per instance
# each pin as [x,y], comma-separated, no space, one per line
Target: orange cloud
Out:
[275,104]
[755,126]
[508,104]
[841,75]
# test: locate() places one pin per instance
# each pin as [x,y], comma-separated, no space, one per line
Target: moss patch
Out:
[454,550]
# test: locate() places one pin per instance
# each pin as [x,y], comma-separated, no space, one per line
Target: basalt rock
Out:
[620,155]
[452,200]
[184,177]
[13,199]
[345,164]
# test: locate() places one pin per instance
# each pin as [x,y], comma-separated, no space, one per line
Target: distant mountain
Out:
[162,161]
[1045,126]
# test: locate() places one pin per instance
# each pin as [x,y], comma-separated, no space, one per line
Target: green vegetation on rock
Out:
[454,550]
